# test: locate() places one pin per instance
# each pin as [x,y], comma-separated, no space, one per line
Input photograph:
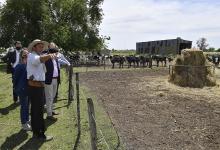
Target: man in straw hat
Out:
[36,77]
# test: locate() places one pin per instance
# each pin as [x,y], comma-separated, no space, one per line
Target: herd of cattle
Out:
[78,59]
[131,60]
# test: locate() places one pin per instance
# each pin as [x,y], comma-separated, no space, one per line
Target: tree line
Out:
[71,24]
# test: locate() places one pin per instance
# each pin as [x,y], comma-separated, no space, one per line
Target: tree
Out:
[202,43]
[72,24]
[211,49]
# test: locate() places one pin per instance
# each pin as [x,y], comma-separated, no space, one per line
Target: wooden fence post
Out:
[78,112]
[77,87]
[213,69]
[92,123]
[104,62]
[70,93]
[169,69]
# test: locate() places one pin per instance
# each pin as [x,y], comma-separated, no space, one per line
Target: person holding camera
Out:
[51,81]
[20,84]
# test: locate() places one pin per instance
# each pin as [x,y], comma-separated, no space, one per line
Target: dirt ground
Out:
[151,114]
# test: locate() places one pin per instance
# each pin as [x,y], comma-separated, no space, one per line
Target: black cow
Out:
[145,60]
[74,58]
[133,59]
[117,59]
[159,58]
[95,58]
[216,59]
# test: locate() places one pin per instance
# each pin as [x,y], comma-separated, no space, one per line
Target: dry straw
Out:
[191,69]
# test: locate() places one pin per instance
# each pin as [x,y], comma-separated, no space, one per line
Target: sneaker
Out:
[29,122]
[51,118]
[48,138]
[43,137]
[26,127]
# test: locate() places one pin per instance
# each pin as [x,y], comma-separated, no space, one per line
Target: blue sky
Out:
[131,21]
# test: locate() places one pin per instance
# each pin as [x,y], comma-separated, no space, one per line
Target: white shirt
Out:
[17,58]
[55,69]
[62,60]
[35,69]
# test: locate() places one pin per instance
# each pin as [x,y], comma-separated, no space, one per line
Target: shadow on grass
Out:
[3,67]
[61,107]
[62,99]
[5,111]
[33,143]
[48,123]
[14,140]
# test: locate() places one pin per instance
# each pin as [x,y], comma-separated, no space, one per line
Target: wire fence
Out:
[98,139]
[94,125]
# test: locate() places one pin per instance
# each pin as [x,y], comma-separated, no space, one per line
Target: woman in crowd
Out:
[20,84]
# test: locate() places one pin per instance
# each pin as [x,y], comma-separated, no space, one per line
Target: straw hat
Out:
[37,41]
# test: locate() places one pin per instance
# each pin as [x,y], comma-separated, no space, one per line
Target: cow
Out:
[133,59]
[145,60]
[117,59]
[159,58]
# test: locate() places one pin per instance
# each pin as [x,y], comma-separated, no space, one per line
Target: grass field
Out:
[64,130]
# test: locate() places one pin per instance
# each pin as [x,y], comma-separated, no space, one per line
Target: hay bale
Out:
[190,70]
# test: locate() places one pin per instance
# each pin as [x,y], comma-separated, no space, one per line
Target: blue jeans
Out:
[24,111]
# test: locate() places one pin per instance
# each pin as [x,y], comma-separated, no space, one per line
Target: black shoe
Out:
[51,118]
[55,113]
[15,99]
[46,138]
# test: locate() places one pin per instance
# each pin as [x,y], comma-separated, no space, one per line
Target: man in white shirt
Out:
[36,77]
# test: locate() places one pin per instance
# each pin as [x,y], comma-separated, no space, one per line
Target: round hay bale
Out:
[191,69]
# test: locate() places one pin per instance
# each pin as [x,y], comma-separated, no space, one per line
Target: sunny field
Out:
[64,130]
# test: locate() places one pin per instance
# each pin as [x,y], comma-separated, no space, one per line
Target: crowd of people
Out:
[36,77]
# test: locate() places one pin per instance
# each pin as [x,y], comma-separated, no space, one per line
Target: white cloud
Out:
[2,1]
[130,21]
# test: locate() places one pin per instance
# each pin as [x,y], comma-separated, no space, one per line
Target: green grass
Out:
[103,124]
[64,130]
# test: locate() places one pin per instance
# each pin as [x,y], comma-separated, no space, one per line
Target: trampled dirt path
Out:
[150,113]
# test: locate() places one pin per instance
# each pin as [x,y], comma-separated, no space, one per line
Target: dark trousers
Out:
[36,97]
[24,112]
[15,96]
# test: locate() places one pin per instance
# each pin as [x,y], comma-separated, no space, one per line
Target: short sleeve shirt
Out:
[35,69]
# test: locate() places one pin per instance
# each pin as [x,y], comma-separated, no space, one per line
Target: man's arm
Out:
[45,58]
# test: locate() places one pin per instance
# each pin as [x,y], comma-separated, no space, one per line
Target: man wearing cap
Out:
[12,59]
[36,77]
[51,82]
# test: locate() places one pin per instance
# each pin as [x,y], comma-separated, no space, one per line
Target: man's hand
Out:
[53,56]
